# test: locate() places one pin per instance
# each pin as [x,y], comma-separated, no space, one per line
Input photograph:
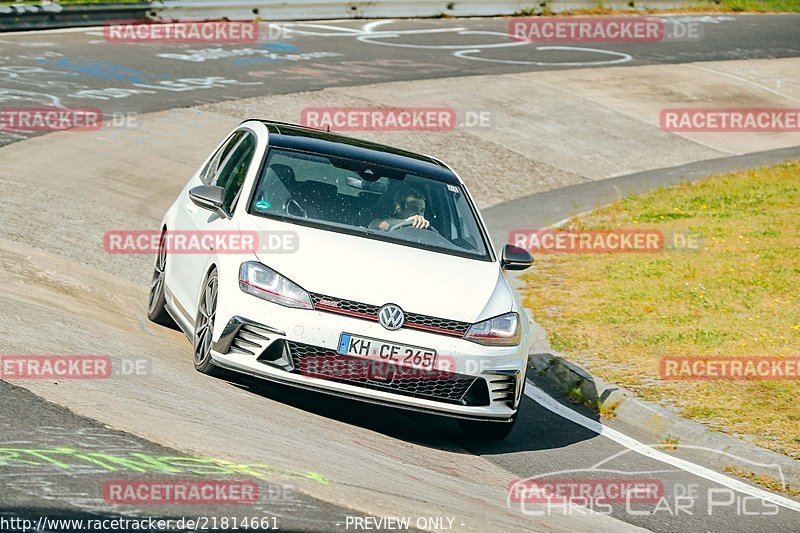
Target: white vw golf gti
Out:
[383,285]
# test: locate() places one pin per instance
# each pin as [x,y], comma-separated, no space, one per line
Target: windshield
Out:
[361,198]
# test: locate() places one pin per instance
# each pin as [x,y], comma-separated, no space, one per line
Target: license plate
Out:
[378,350]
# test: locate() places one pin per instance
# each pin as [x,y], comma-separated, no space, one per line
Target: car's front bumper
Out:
[485,383]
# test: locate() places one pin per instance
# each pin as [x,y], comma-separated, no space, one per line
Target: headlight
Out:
[263,282]
[503,330]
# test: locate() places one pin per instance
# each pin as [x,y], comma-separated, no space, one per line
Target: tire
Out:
[487,431]
[157,304]
[204,327]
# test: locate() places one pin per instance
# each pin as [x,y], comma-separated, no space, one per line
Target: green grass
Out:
[705,6]
[620,314]
[765,481]
[757,6]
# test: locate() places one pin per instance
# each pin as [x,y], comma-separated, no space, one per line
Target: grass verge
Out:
[619,314]
[545,8]
[764,481]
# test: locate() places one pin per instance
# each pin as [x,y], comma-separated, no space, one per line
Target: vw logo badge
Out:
[391,317]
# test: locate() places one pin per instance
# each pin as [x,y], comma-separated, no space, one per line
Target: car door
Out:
[178,291]
[228,172]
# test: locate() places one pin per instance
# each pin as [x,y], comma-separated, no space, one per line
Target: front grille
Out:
[324,363]
[432,324]
[339,305]
[437,325]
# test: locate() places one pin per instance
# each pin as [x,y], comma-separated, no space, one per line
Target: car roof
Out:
[296,137]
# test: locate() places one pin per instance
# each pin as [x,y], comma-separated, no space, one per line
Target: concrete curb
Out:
[657,423]
[577,382]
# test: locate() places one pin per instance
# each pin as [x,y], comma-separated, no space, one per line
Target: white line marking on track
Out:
[542,398]
[373,33]
[745,80]
[621,57]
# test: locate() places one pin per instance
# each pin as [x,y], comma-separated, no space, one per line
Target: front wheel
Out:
[204,327]
[487,431]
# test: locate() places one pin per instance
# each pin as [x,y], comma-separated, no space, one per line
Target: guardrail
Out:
[42,16]
[341,9]
[48,16]
[335,9]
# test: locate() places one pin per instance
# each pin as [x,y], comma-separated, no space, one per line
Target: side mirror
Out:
[210,197]
[515,258]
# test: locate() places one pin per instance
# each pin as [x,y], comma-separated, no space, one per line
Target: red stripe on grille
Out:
[344,312]
[433,329]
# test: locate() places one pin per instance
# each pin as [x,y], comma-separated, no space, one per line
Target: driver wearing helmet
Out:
[409,206]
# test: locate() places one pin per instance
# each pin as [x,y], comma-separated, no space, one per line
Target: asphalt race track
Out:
[322,464]
[79,68]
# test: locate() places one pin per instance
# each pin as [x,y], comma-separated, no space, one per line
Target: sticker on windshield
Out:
[453,188]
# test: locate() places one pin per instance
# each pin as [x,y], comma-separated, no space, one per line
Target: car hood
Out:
[377,272]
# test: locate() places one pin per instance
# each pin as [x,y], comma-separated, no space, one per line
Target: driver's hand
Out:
[419,221]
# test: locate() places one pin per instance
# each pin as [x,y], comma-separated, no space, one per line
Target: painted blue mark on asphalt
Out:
[252,60]
[279,46]
[105,70]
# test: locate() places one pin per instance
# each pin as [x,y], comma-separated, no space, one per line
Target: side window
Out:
[234,169]
[210,170]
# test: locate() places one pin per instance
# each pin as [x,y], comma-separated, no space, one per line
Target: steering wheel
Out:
[407,223]
[293,202]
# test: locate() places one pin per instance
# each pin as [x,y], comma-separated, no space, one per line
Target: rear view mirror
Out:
[210,197]
[515,258]
[365,185]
